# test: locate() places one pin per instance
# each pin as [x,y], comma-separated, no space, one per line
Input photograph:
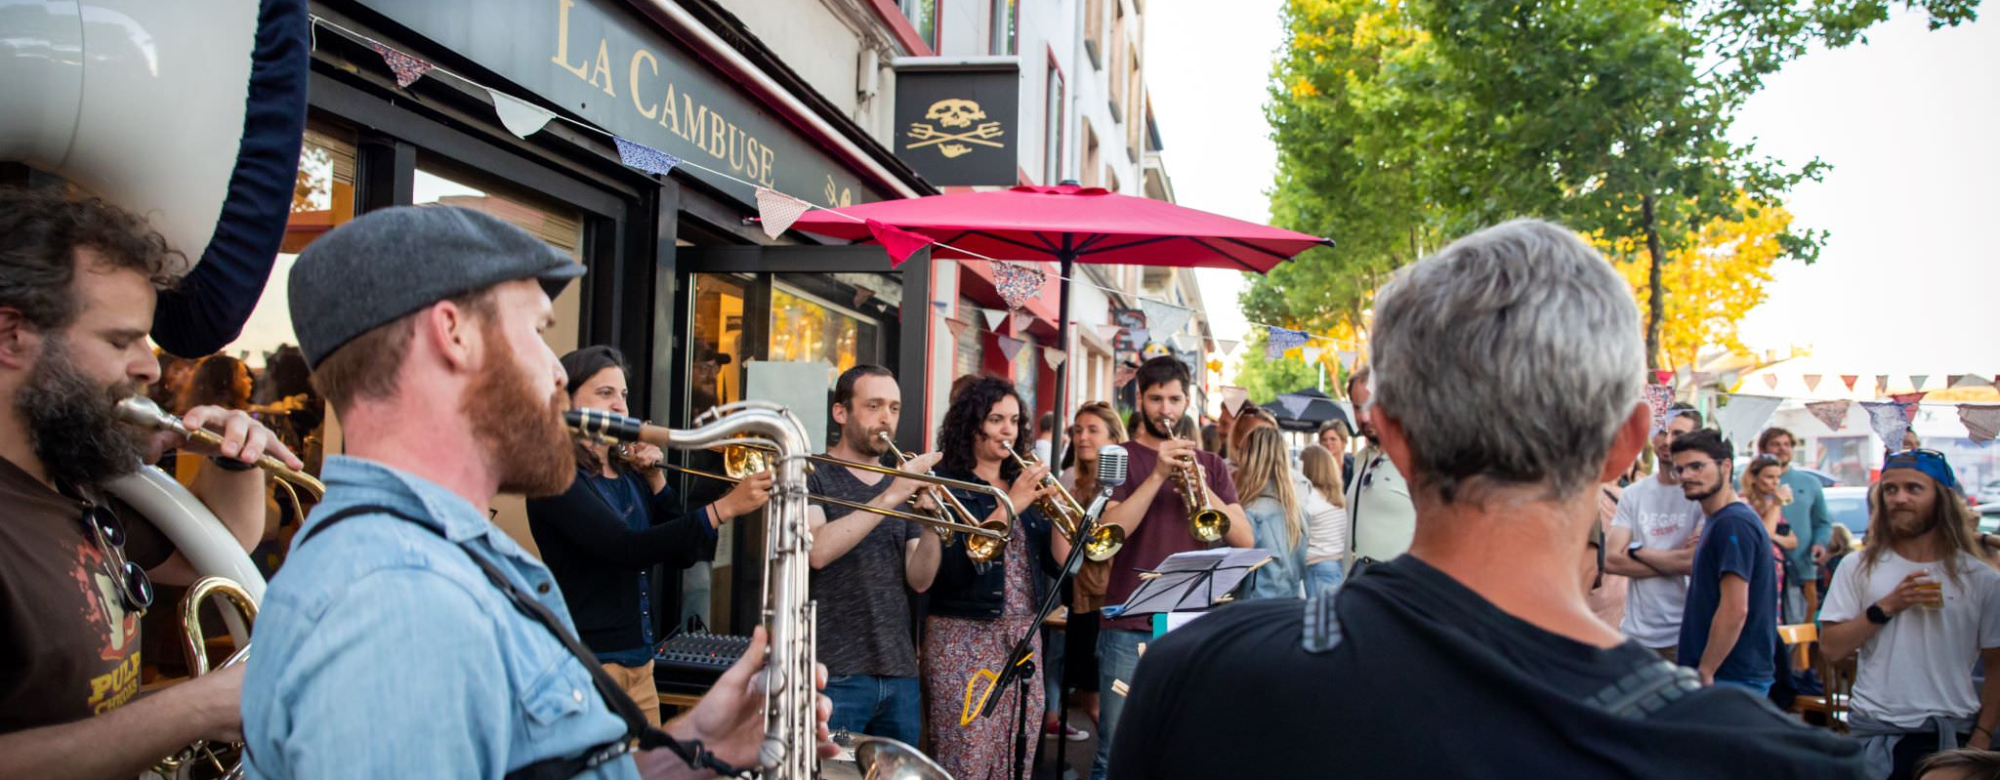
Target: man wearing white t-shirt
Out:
[1920,603]
[1650,541]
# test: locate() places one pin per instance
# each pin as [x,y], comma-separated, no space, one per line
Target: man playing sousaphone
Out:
[78,281]
[409,637]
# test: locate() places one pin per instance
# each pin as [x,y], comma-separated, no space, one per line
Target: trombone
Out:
[989,544]
[740,460]
[1205,522]
[140,411]
[1062,508]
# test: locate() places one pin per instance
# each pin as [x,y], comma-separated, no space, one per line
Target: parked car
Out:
[1848,506]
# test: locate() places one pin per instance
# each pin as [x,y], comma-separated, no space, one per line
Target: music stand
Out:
[1191,581]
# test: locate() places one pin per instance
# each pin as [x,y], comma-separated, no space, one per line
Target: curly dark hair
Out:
[40,232]
[219,380]
[967,414]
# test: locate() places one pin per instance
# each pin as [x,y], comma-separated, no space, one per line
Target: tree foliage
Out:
[1717,277]
[1264,378]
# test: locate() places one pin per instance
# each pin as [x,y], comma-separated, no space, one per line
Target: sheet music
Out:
[1193,580]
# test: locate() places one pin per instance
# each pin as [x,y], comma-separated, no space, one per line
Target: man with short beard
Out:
[78,281]
[1730,629]
[1381,520]
[1921,605]
[409,636]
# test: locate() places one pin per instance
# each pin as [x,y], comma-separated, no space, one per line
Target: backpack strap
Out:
[1322,630]
[1647,689]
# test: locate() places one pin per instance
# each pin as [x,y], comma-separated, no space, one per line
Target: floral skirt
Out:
[955,649]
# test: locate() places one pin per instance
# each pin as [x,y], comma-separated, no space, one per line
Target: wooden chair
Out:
[1837,677]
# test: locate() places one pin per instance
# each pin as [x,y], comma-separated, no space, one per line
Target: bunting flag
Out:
[1909,402]
[957,327]
[1848,379]
[1917,381]
[993,317]
[1022,319]
[899,243]
[637,155]
[1294,403]
[1970,380]
[1771,381]
[1889,421]
[1278,340]
[1312,354]
[777,211]
[1660,398]
[1123,376]
[1347,357]
[1233,398]
[1186,342]
[1662,377]
[1164,317]
[1744,416]
[1226,346]
[406,67]
[861,296]
[1017,283]
[1982,421]
[1108,332]
[1054,357]
[1141,336]
[1009,346]
[1832,414]
[1812,382]
[1881,384]
[1683,374]
[942,307]
[520,117]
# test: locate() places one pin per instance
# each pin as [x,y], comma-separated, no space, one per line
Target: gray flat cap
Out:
[389,263]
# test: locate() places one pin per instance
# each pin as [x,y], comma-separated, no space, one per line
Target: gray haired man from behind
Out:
[1507,370]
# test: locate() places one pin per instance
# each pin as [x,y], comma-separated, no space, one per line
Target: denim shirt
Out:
[383,651]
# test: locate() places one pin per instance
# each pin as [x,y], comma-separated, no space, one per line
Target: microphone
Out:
[1112,461]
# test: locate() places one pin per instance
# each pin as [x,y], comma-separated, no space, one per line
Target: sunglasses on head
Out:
[134,587]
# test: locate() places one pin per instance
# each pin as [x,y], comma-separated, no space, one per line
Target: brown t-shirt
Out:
[1163,532]
[68,648]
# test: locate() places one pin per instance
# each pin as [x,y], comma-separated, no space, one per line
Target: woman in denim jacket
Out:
[1264,477]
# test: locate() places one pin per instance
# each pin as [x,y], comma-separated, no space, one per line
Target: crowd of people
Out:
[1540,578]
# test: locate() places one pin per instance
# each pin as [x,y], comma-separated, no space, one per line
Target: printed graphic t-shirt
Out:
[68,648]
[1662,519]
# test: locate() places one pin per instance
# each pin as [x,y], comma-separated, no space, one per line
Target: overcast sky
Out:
[1908,280]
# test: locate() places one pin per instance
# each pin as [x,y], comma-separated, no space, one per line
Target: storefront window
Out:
[717,374]
[805,328]
[442,183]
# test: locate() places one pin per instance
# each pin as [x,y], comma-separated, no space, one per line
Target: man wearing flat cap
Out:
[1921,606]
[408,635]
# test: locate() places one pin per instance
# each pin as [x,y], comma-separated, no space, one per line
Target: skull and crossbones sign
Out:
[954,113]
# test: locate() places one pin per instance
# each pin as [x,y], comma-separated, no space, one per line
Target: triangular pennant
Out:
[1141,336]
[1881,384]
[899,243]
[406,67]
[1909,402]
[1982,422]
[1347,357]
[1185,342]
[777,211]
[1294,403]
[861,296]
[1832,414]
[1164,317]
[520,117]
[1812,382]
[1889,421]
[1054,357]
[1022,319]
[957,327]
[1971,380]
[1917,381]
[1279,340]
[993,317]
[1009,346]
[1745,416]
[1848,379]
[1017,283]
[1233,398]
[1123,376]
[1108,332]
[1659,398]
[637,155]
[1226,346]
[1771,381]
[1661,377]
[1312,354]
[943,307]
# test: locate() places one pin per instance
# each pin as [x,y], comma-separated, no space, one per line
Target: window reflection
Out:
[805,328]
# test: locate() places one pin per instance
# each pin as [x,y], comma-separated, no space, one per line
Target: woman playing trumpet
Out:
[616,522]
[978,610]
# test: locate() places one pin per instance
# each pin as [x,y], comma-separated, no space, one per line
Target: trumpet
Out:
[224,761]
[1205,522]
[744,457]
[981,547]
[1062,509]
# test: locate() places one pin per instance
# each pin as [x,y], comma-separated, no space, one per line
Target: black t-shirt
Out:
[1430,680]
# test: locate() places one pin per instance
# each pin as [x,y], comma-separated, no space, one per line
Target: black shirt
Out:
[1431,680]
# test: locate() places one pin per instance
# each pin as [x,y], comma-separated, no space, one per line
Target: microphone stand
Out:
[1019,667]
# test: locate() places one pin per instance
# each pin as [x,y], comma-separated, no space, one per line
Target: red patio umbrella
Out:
[1069,224]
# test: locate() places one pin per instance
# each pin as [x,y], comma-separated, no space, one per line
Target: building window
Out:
[1092,157]
[1003,26]
[1093,31]
[1110,178]
[1052,129]
[923,16]
[1119,53]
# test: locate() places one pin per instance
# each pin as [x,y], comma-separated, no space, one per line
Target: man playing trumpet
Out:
[78,281]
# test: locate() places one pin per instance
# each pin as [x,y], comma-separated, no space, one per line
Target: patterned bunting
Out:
[520,117]
[1294,403]
[1890,421]
[1660,398]
[777,211]
[406,67]
[1009,346]
[1017,283]
[1164,317]
[1812,382]
[1278,340]
[1983,422]
[637,155]
[899,243]
[1832,414]
[1054,357]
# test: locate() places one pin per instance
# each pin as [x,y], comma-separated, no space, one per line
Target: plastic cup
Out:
[1930,592]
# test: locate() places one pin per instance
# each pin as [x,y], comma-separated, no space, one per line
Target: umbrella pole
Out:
[1061,405]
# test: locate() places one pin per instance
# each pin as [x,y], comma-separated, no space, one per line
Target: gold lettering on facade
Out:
[648,113]
[954,113]
[670,117]
[718,135]
[562,41]
[696,127]
[603,66]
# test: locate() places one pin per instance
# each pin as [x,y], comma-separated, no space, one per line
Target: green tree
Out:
[1264,378]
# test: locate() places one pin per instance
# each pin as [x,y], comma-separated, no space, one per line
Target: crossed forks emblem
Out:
[948,143]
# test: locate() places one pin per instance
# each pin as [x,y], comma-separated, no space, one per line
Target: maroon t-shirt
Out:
[1163,532]
[68,648]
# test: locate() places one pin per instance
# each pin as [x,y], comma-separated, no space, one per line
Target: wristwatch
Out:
[1876,615]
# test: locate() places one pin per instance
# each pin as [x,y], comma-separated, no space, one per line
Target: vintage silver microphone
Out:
[1112,462]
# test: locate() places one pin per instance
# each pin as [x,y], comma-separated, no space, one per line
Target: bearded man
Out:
[1921,605]
[78,283]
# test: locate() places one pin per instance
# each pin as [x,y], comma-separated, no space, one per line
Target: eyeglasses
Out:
[134,587]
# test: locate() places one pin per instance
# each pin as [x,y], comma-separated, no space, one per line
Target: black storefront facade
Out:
[680,279]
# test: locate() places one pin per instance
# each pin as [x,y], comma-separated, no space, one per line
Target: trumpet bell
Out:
[881,758]
[1208,525]
[1104,542]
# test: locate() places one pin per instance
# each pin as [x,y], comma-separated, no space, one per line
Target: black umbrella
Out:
[1317,411]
